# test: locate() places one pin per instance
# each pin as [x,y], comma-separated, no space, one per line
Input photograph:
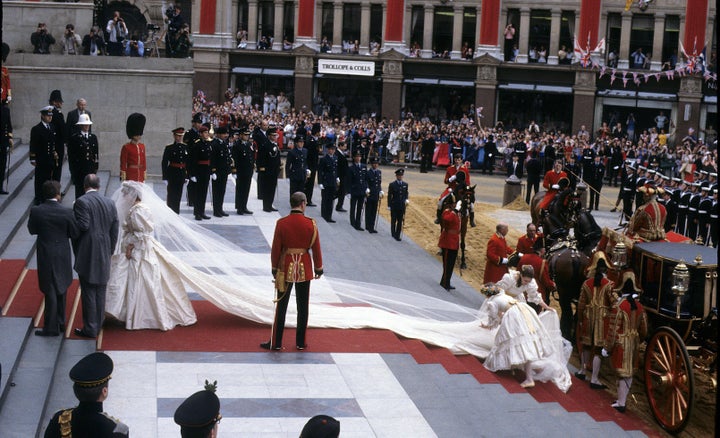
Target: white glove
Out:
[407,201]
[337,180]
[556,187]
[165,182]
[458,206]
[520,254]
[9,98]
[504,261]
[234,177]
[322,187]
[367,192]
[381,194]
[193,179]
[213,177]
[449,190]
[307,172]
[604,353]
[539,229]
[452,178]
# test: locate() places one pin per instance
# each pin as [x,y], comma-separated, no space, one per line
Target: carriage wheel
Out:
[669,379]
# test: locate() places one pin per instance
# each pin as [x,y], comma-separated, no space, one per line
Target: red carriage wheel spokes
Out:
[669,380]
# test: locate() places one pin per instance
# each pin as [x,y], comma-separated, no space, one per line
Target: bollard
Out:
[582,190]
[513,189]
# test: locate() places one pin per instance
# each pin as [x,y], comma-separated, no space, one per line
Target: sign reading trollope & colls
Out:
[342,67]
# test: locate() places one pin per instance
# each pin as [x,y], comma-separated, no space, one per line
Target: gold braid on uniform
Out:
[65,422]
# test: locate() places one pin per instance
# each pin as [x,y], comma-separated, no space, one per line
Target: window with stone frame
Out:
[417,26]
[266,20]
[376,22]
[289,21]
[442,31]
[539,32]
[612,38]
[326,24]
[351,23]
[469,29]
[642,31]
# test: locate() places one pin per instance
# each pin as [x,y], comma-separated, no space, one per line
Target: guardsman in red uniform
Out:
[295,236]
[6,89]
[627,329]
[526,241]
[496,256]
[449,241]
[648,221]
[133,166]
[458,173]
[597,299]
[551,183]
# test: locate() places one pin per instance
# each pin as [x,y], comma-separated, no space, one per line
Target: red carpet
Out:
[11,270]
[28,299]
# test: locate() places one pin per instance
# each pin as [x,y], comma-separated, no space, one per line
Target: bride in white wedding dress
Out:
[240,282]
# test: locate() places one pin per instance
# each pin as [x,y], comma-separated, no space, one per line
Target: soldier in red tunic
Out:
[456,175]
[133,166]
[496,256]
[551,183]
[597,299]
[628,327]
[295,236]
[449,241]
[526,241]
[648,221]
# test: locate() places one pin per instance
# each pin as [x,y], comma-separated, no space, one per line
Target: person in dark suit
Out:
[222,165]
[490,153]
[199,171]
[61,137]
[71,126]
[427,150]
[243,155]
[358,190]
[594,176]
[260,138]
[268,166]
[174,169]
[671,209]
[534,175]
[82,154]
[199,415]
[397,201]
[54,226]
[91,378]
[514,167]
[6,144]
[328,182]
[313,157]
[296,165]
[191,138]
[374,182]
[98,223]
[342,173]
[43,155]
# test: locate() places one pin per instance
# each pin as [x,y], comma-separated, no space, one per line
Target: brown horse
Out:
[561,215]
[465,194]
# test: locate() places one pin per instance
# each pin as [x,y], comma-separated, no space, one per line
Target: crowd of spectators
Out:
[486,148]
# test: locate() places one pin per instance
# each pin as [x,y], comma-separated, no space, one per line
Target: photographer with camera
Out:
[175,22]
[42,40]
[71,41]
[93,43]
[117,32]
[135,47]
[183,43]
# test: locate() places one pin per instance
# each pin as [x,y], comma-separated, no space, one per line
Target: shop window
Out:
[266,23]
[417,29]
[351,28]
[288,23]
[612,41]
[641,40]
[442,32]
[539,35]
[242,23]
[326,26]
[469,32]
[567,32]
[671,37]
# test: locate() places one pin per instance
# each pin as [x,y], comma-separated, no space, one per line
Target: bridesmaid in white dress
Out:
[145,290]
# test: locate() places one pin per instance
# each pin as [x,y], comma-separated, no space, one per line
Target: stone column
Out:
[583,99]
[523,34]
[426,51]
[225,22]
[489,14]
[554,37]
[304,69]
[658,31]
[234,20]
[252,24]
[486,88]
[394,18]
[392,77]
[625,40]
[457,31]
[278,17]
[689,100]
[365,27]
[337,27]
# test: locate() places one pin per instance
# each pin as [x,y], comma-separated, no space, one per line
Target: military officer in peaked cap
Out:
[297,165]
[174,168]
[374,183]
[61,137]
[90,377]
[222,165]
[321,426]
[43,155]
[199,415]
[397,201]
[243,154]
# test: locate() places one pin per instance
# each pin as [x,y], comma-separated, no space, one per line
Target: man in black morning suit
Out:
[243,154]
[397,201]
[82,154]
[342,172]
[73,117]
[54,226]
[43,155]
[97,220]
[174,169]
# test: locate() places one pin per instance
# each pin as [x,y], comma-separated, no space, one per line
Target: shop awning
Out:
[457,83]
[247,70]
[516,86]
[278,72]
[263,71]
[422,81]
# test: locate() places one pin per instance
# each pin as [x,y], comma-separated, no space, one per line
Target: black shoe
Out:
[330,221]
[597,386]
[45,334]
[341,210]
[617,407]
[372,231]
[222,213]
[301,347]
[81,333]
[217,215]
[246,211]
[198,218]
[360,228]
[450,287]
[268,346]
[206,217]
[310,204]
[3,192]
[273,209]
[267,210]
[240,212]
[613,210]
[397,238]
[580,376]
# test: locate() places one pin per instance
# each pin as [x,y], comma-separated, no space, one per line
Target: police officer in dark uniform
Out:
[627,192]
[199,415]
[588,161]
[58,122]
[191,138]
[704,210]
[174,169]
[398,194]
[594,177]
[671,209]
[90,377]
[691,225]
[243,156]
[43,155]
[222,165]
[683,200]
[363,148]
[427,149]
[296,165]
[616,162]
[714,219]
[313,157]
[572,169]
[374,183]
[268,166]
[199,170]
[328,181]
[82,154]
[358,190]
[342,171]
